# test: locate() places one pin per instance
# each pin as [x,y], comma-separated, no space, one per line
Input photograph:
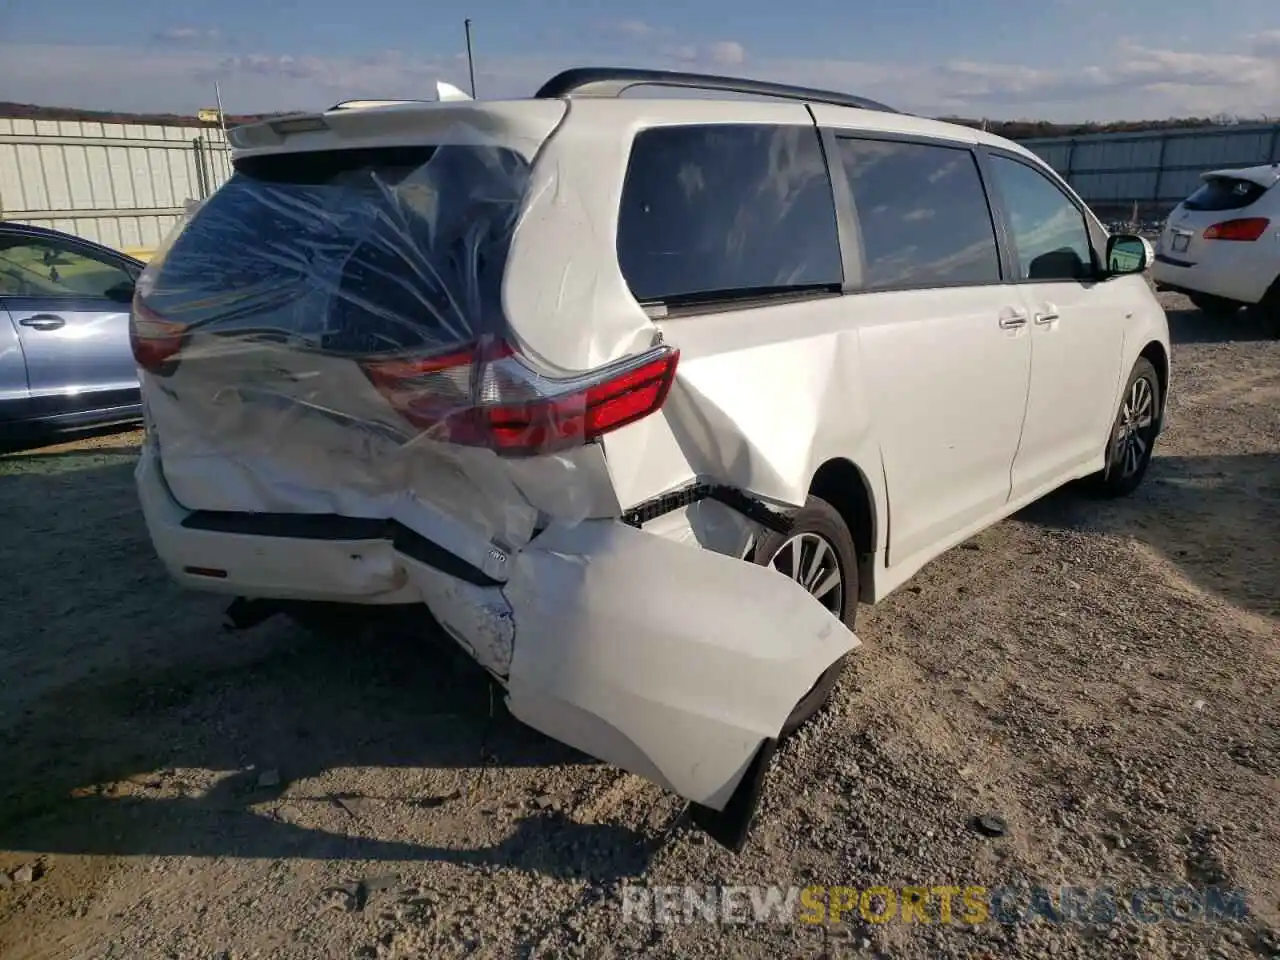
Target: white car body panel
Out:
[661,658]
[1078,355]
[1265,175]
[654,648]
[947,388]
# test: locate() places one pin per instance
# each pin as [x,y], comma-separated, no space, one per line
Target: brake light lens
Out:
[1247,229]
[486,397]
[154,340]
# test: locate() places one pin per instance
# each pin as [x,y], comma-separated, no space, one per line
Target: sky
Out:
[1061,60]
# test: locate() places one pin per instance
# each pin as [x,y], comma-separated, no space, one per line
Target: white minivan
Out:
[637,398]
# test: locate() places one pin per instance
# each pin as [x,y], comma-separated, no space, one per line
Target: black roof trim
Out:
[16,228]
[613,81]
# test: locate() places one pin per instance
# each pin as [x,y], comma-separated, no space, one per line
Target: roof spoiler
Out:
[445,92]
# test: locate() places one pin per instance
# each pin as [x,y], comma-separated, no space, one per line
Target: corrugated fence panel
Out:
[125,184]
[1160,167]
[1118,186]
[1227,149]
[1177,185]
[1055,155]
[122,184]
[1115,154]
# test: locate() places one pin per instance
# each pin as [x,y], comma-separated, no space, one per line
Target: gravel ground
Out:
[1104,677]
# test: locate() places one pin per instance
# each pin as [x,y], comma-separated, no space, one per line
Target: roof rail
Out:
[614,81]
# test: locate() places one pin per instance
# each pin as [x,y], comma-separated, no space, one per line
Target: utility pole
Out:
[222,117]
[471,67]
[222,122]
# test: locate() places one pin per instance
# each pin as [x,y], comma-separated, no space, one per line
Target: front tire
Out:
[1133,433]
[819,554]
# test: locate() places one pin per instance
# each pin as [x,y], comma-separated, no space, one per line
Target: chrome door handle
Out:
[1013,321]
[1043,318]
[43,321]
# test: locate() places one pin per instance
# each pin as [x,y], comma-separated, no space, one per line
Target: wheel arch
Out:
[841,483]
[1155,354]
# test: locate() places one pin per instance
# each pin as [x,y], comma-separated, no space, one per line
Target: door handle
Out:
[43,321]
[1049,317]
[1012,321]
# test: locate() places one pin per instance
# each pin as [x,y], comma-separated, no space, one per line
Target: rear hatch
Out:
[1219,210]
[326,336]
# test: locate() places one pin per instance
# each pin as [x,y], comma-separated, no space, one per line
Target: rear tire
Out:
[1133,434]
[1217,307]
[792,554]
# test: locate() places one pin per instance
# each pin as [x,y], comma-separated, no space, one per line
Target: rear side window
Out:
[359,250]
[40,266]
[923,214]
[1224,193]
[726,211]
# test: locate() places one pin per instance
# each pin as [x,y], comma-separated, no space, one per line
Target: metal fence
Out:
[125,185]
[1157,168]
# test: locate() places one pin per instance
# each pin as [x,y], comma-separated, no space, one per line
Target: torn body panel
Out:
[665,660]
[669,660]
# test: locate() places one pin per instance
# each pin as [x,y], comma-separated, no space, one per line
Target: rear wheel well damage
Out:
[840,483]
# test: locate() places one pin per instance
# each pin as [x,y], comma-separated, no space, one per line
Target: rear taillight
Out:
[488,398]
[1247,228]
[155,341]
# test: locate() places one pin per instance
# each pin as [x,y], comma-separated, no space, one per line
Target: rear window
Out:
[1224,193]
[726,211]
[349,250]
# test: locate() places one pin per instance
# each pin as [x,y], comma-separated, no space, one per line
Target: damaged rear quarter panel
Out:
[667,660]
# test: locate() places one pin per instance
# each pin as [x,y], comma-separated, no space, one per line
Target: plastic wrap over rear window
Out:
[1224,193]
[727,208]
[351,251]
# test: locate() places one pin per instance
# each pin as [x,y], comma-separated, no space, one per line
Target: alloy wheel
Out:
[809,560]
[1134,428]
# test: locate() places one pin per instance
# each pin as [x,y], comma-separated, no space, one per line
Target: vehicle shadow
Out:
[131,723]
[1194,326]
[17,440]
[1216,518]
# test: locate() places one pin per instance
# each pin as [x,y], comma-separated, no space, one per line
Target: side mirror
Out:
[1127,253]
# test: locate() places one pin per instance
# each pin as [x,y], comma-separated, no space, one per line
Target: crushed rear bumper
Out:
[673,662]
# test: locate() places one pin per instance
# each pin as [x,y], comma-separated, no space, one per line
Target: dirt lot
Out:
[1105,677]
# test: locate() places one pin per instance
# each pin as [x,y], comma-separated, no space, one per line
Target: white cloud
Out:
[684,52]
[1159,83]
[722,53]
[1132,82]
[631,29]
[188,35]
[726,52]
[1266,44]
